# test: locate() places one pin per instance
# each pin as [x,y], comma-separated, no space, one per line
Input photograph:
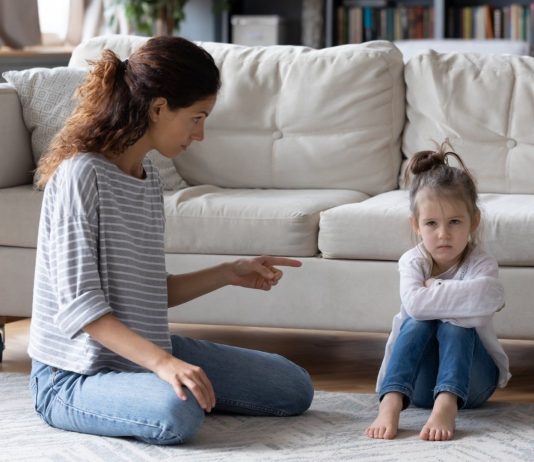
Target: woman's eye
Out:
[455,222]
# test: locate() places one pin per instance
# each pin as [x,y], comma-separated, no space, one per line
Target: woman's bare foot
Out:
[387,422]
[441,423]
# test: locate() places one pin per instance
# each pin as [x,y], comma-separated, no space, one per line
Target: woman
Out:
[104,361]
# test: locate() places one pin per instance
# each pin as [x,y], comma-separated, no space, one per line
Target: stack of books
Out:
[364,20]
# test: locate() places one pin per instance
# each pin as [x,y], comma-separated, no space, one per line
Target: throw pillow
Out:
[47,98]
[170,178]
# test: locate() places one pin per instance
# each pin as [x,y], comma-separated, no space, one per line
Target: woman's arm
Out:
[254,273]
[117,337]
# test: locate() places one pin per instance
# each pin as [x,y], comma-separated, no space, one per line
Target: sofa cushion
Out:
[213,220]
[484,105]
[20,208]
[410,48]
[47,97]
[378,228]
[294,117]
[375,229]
[508,227]
[16,162]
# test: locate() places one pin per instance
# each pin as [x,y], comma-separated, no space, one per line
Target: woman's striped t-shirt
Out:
[100,250]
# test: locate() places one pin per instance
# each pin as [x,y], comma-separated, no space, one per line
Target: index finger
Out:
[282,261]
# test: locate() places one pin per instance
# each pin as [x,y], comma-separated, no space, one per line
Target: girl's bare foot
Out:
[387,422]
[441,423]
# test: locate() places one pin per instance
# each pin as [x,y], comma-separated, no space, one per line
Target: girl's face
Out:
[444,225]
[172,131]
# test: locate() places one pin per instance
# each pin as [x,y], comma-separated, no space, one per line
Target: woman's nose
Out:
[198,134]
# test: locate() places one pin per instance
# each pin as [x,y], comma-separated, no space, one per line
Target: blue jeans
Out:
[142,406]
[430,357]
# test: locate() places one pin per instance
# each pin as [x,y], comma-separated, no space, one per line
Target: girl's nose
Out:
[443,232]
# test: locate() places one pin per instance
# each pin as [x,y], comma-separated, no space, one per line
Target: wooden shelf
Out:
[27,58]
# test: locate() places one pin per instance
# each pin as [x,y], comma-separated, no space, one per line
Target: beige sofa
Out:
[302,158]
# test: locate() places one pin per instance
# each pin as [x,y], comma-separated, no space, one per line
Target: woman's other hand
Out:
[180,374]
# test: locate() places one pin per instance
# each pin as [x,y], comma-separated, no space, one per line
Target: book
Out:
[497,23]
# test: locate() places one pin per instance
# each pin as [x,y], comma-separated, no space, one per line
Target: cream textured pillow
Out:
[484,105]
[170,178]
[47,98]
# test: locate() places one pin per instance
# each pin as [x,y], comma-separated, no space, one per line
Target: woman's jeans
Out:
[141,405]
[430,357]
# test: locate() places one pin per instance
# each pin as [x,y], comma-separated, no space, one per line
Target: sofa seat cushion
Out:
[212,220]
[19,208]
[508,227]
[379,229]
[375,229]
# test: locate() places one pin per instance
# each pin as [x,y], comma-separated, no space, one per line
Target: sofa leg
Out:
[2,336]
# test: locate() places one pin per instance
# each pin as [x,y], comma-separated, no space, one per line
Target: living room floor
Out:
[337,361]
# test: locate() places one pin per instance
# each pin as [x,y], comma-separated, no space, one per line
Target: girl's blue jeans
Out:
[430,357]
[142,406]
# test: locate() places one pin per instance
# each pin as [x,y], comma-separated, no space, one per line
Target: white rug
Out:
[330,431]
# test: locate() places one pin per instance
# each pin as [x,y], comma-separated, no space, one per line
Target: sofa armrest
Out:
[16,161]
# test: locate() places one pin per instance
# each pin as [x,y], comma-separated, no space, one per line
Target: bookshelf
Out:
[289,10]
[365,20]
[362,20]
[497,19]
[352,21]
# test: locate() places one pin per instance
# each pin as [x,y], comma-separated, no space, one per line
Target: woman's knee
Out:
[298,389]
[305,392]
[175,420]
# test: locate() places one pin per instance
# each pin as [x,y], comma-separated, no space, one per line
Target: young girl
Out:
[104,361]
[442,352]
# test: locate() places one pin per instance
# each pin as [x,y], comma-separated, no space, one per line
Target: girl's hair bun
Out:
[426,160]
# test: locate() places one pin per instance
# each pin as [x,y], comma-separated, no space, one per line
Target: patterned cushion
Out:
[47,98]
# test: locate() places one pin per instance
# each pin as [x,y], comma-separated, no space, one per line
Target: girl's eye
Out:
[430,223]
[455,222]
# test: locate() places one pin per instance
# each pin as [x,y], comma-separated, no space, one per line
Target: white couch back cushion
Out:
[484,105]
[295,117]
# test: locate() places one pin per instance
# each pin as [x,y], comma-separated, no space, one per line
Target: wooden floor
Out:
[337,361]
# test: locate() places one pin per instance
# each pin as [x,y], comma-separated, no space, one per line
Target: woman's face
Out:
[172,131]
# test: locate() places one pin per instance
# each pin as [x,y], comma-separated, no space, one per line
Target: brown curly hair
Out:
[114,100]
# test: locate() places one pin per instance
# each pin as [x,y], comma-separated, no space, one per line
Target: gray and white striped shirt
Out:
[100,250]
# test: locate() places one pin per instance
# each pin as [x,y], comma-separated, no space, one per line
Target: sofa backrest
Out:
[484,105]
[16,163]
[295,117]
